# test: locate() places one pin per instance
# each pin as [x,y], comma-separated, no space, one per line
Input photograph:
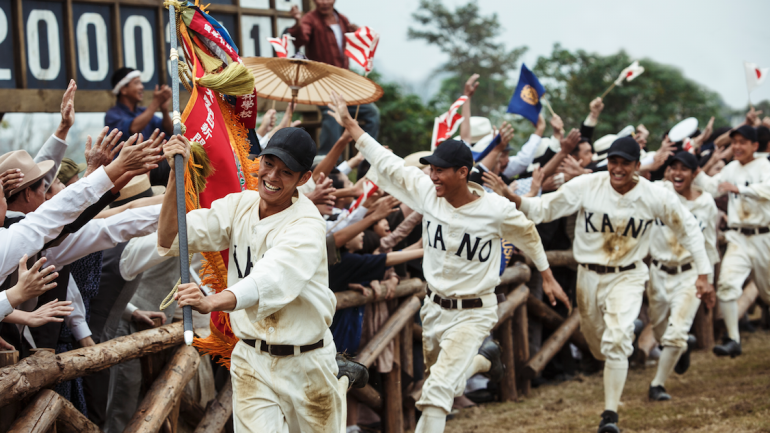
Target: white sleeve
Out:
[564,201]
[46,223]
[710,233]
[519,163]
[344,168]
[260,139]
[5,306]
[708,183]
[129,311]
[140,255]
[760,191]
[347,218]
[102,234]
[76,321]
[519,230]
[53,150]
[387,171]
[676,216]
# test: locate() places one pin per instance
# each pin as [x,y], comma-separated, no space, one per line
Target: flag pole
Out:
[548,105]
[608,90]
[179,169]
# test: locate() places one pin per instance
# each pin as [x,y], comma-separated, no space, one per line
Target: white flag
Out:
[631,72]
[755,75]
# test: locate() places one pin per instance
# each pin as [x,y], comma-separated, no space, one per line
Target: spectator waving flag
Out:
[361,45]
[526,98]
[446,124]
[755,75]
[628,74]
[281,45]
[369,189]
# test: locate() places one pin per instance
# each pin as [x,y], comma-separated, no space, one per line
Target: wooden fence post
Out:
[41,413]
[168,387]
[520,329]
[552,345]
[508,384]
[218,411]
[393,415]
[9,412]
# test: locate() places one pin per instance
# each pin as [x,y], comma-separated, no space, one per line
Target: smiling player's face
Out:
[277,182]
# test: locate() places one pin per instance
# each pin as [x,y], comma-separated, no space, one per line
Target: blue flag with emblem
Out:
[526,98]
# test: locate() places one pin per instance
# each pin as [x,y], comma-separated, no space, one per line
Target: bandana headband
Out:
[127,79]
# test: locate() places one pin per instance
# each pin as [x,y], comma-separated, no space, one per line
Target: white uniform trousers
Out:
[673,305]
[280,394]
[745,255]
[608,305]
[450,340]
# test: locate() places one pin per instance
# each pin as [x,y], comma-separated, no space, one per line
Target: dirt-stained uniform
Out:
[282,260]
[461,261]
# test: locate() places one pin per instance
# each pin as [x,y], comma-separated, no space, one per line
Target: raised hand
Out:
[10,180]
[176,145]
[323,192]
[68,106]
[296,13]
[506,134]
[558,126]
[471,85]
[569,142]
[339,109]
[494,182]
[32,282]
[384,207]
[596,106]
[105,149]
[50,312]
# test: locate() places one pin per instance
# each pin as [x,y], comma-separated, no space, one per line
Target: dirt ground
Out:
[715,395]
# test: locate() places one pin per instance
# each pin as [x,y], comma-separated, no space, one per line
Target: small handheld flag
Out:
[446,124]
[281,45]
[361,45]
[755,76]
[369,189]
[627,74]
[526,98]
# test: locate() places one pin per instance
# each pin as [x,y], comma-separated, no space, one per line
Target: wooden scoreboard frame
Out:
[28,92]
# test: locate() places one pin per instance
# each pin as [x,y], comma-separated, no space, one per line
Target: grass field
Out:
[715,395]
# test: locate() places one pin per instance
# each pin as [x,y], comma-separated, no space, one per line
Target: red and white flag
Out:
[361,45]
[369,189]
[281,45]
[446,124]
[630,73]
[755,75]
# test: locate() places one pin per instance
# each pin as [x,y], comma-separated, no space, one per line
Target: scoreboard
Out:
[45,43]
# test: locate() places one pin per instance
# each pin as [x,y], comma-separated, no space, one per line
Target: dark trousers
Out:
[368,114]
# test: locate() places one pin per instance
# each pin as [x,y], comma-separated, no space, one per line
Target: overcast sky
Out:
[707,39]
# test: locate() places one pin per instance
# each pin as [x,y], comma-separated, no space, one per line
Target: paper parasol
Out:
[308,82]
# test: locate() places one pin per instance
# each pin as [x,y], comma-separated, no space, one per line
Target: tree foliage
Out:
[659,98]
[470,41]
[406,122]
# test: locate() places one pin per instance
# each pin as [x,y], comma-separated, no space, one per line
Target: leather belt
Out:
[672,270]
[462,304]
[601,269]
[284,349]
[749,232]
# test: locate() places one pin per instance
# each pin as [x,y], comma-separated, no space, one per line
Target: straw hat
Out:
[21,160]
[480,128]
[413,160]
[138,187]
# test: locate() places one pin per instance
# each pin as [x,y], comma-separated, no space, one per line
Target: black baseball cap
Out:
[748,132]
[626,148]
[687,159]
[294,147]
[450,154]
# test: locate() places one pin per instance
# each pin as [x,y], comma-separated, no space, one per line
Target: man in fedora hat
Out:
[278,292]
[462,231]
[615,210]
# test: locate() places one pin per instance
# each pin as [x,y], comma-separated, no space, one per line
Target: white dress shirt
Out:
[141,254]
[46,223]
[518,164]
[76,320]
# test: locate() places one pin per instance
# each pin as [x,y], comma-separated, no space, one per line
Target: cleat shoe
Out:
[728,347]
[491,350]
[609,422]
[358,374]
[658,393]
[684,361]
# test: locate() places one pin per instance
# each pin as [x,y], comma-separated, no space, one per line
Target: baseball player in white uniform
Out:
[747,180]
[283,369]
[462,231]
[671,293]
[616,210]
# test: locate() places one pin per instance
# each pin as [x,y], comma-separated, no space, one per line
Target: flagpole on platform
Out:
[179,169]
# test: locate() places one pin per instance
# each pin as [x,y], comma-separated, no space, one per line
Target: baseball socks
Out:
[668,359]
[730,313]
[615,372]
[433,420]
